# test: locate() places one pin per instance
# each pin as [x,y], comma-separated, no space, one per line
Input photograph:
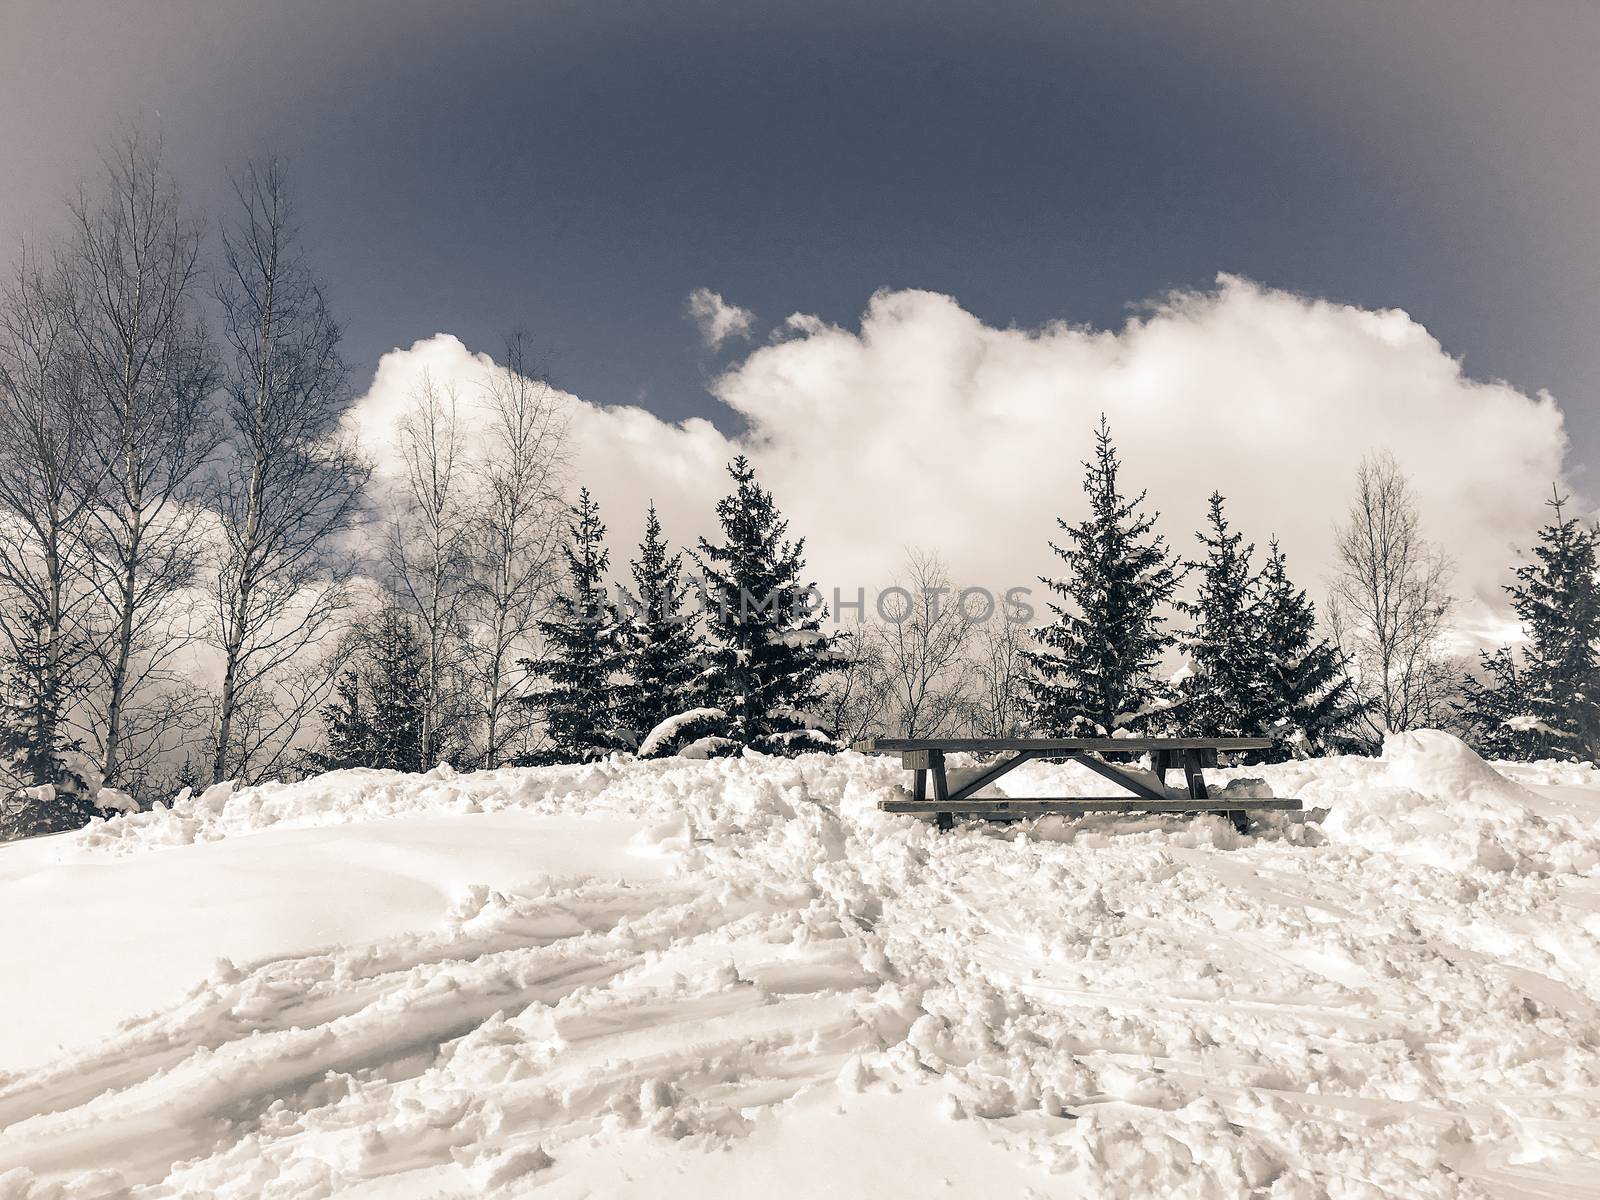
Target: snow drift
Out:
[736,976]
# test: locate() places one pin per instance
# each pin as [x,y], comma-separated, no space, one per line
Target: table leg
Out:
[941,788]
[1193,762]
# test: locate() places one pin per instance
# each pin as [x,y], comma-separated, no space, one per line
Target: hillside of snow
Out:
[736,977]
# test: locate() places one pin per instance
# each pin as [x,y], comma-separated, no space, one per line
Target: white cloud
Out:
[375,418]
[625,455]
[716,319]
[925,427]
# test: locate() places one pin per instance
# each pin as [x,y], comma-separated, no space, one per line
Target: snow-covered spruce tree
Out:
[1494,708]
[45,783]
[765,669]
[1224,691]
[661,649]
[1558,600]
[1307,697]
[581,701]
[1093,668]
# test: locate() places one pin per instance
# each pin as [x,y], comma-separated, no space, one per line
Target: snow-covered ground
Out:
[737,978]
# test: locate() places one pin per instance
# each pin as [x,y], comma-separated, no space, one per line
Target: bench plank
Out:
[1128,745]
[1024,806]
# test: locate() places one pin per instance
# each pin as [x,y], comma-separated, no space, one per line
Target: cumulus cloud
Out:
[925,427]
[716,319]
[375,419]
[625,455]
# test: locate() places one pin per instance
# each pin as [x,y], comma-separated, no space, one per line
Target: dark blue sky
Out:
[577,169]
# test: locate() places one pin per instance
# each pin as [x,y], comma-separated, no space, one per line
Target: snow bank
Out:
[769,987]
[1441,803]
[1430,800]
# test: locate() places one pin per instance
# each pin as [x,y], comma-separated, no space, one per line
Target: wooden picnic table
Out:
[925,759]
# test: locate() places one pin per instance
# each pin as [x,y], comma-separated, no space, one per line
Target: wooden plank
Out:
[1025,806]
[1136,785]
[970,784]
[917,760]
[1129,745]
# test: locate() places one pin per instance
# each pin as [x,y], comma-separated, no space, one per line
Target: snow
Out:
[113,800]
[797,637]
[707,746]
[811,721]
[669,729]
[282,892]
[1527,723]
[736,977]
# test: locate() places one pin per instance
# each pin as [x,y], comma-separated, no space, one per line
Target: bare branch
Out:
[923,650]
[428,551]
[521,467]
[149,371]
[1390,602]
[289,484]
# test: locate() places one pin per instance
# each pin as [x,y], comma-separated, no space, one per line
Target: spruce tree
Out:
[1558,600]
[1224,693]
[187,777]
[346,728]
[397,662]
[660,647]
[31,720]
[51,790]
[1093,668]
[581,702]
[764,671]
[1307,696]
[1494,708]
[376,717]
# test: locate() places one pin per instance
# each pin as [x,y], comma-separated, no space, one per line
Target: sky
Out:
[653,191]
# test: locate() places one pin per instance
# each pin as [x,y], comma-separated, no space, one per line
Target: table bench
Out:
[925,759]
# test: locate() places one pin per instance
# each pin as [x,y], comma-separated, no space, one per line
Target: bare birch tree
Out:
[48,487]
[268,721]
[855,701]
[427,549]
[998,670]
[924,640]
[521,466]
[1391,601]
[290,484]
[149,371]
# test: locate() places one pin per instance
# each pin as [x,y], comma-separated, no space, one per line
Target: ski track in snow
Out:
[1400,997]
